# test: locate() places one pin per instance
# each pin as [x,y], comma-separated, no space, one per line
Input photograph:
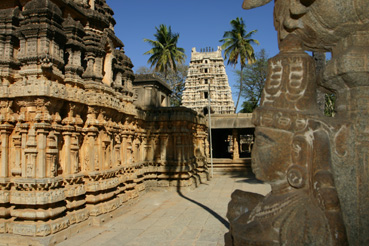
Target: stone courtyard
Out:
[170,217]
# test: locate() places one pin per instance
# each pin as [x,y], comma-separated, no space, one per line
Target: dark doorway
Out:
[222,141]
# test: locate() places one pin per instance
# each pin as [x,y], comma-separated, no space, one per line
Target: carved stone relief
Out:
[339,183]
[72,144]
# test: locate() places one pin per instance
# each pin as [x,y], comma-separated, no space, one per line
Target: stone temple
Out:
[75,146]
[207,82]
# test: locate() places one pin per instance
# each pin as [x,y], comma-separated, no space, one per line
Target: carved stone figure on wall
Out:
[292,154]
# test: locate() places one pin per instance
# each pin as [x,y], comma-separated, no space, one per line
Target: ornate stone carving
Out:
[292,154]
[340,27]
[73,145]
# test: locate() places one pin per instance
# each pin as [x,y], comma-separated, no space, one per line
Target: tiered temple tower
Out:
[207,79]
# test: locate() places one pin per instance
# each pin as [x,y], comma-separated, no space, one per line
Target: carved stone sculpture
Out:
[340,27]
[291,153]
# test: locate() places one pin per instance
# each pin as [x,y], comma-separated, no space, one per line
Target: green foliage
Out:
[175,80]
[237,46]
[164,53]
[247,107]
[329,107]
[253,79]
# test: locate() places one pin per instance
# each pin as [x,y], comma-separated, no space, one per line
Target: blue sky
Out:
[200,24]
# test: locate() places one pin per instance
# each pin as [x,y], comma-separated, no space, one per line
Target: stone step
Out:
[231,166]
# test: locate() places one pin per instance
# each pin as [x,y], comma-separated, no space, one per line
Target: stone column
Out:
[41,156]
[179,148]
[236,152]
[67,153]
[31,154]
[91,151]
[5,132]
[17,169]
[163,147]
[74,150]
[117,151]
[51,155]
[124,150]
[129,150]
[23,131]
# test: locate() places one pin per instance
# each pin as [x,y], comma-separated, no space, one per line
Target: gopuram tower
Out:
[207,81]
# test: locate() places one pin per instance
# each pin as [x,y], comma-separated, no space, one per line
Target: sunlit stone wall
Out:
[73,145]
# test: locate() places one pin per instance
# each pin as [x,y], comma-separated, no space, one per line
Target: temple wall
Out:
[73,145]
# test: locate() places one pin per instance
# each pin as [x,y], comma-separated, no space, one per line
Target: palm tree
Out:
[164,53]
[237,44]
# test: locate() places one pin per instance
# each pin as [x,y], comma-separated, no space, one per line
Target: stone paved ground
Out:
[190,217]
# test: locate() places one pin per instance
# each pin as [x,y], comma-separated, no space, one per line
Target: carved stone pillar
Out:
[124,150]
[24,133]
[41,148]
[163,147]
[67,153]
[106,152]
[89,150]
[179,146]
[31,154]
[17,142]
[6,129]
[236,152]
[117,158]
[129,150]
[51,156]
[74,151]
[157,148]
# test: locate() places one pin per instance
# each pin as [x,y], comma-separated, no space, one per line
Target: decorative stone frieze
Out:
[73,146]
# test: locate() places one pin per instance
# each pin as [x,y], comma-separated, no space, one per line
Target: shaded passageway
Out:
[191,217]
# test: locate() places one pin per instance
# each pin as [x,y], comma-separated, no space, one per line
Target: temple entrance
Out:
[222,143]
[233,143]
[232,140]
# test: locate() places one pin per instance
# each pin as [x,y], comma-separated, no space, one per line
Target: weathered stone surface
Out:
[340,27]
[292,153]
[151,91]
[73,144]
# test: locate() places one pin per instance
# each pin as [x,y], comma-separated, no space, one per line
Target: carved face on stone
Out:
[271,154]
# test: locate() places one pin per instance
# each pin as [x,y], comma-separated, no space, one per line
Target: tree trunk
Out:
[239,92]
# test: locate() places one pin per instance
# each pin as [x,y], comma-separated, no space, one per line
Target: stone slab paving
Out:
[186,217]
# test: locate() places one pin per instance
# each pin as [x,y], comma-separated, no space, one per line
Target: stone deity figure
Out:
[340,27]
[292,154]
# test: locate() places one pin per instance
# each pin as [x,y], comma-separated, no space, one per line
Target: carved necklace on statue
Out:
[267,209]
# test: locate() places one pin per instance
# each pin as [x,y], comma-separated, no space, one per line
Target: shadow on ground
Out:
[212,212]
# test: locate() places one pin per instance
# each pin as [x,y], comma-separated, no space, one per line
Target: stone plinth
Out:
[73,145]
